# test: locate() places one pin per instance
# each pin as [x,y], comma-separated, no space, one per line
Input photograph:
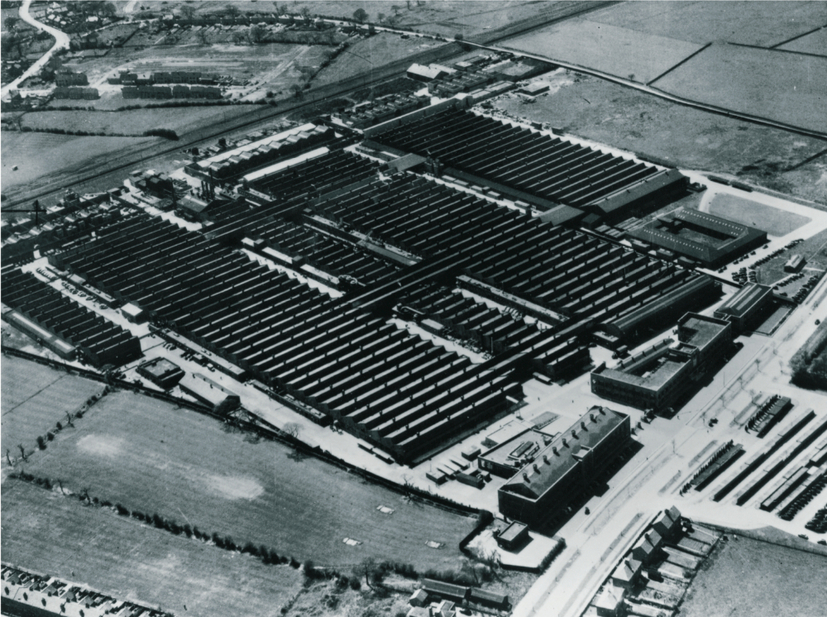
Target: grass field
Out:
[749,23]
[595,109]
[134,121]
[34,398]
[56,158]
[611,49]
[747,212]
[770,84]
[813,43]
[749,577]
[46,532]
[154,458]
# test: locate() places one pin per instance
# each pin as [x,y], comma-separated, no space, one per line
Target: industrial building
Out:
[161,372]
[64,326]
[507,458]
[544,170]
[707,239]
[660,376]
[564,468]
[744,306]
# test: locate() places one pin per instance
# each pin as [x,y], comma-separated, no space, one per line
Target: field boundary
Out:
[673,67]
[753,534]
[795,38]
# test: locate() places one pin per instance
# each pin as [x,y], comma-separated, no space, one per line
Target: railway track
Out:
[309,100]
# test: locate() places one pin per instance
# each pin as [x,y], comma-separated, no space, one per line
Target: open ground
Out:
[155,458]
[49,533]
[750,577]
[134,121]
[46,158]
[748,23]
[35,398]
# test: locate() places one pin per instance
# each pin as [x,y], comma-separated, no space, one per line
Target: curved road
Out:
[61,42]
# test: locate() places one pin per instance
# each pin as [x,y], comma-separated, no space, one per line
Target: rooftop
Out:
[565,452]
[159,367]
[742,301]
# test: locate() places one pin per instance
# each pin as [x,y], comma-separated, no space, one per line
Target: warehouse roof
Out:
[744,300]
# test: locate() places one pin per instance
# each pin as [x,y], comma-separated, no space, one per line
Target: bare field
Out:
[688,138]
[747,212]
[749,23]
[749,577]
[49,533]
[35,397]
[770,84]
[611,49]
[152,457]
[47,158]
[134,121]
[813,43]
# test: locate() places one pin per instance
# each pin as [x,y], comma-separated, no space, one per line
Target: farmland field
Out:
[748,23]
[772,220]
[35,397]
[770,84]
[749,577]
[688,138]
[611,49]
[46,532]
[813,43]
[152,457]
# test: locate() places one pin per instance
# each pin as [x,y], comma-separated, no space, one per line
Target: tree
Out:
[292,429]
[368,569]
[232,11]
[305,12]
[187,12]
[11,22]
[257,34]
[239,36]
[360,15]
[107,9]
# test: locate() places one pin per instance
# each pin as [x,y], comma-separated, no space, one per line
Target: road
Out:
[61,42]
[672,450]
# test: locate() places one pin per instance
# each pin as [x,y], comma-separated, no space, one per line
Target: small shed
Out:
[513,536]
[419,598]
